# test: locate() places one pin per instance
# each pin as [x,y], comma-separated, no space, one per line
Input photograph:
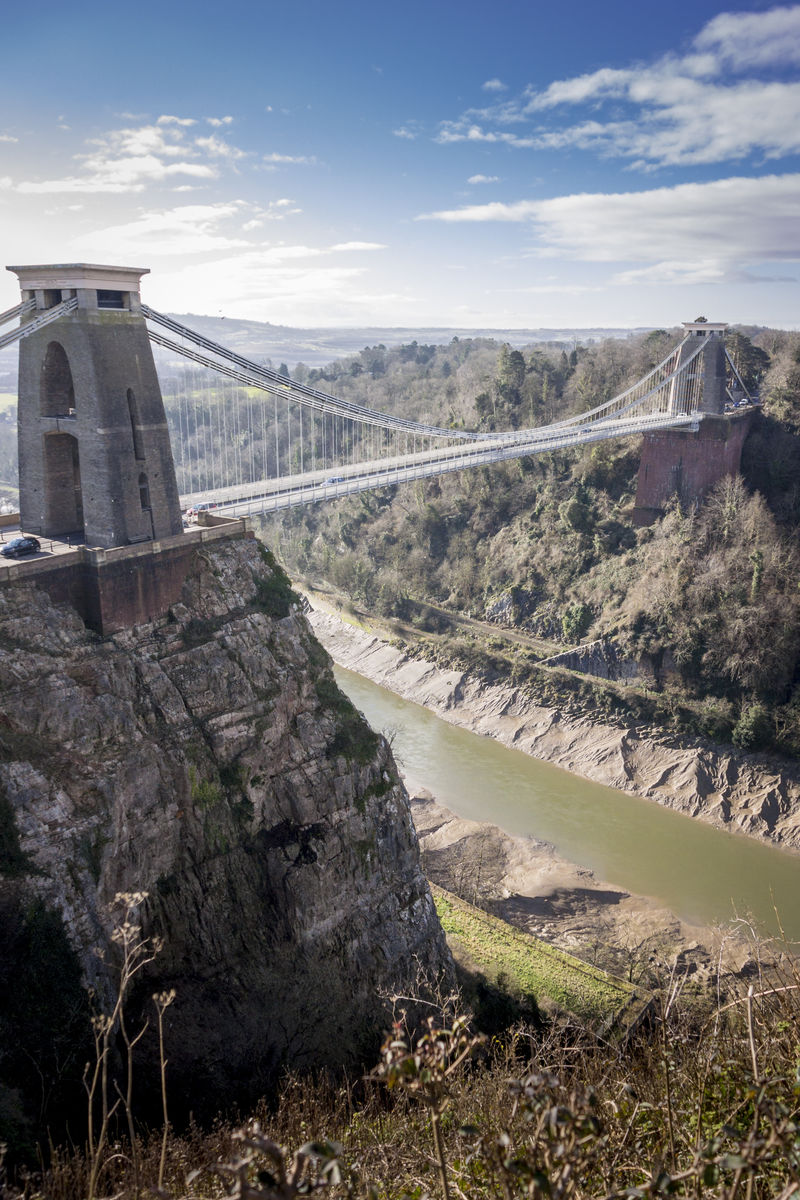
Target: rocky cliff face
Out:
[210,760]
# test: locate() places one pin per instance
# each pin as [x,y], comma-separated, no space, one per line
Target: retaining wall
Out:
[688,463]
[125,586]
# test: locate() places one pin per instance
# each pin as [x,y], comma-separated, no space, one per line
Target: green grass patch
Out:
[274,594]
[353,737]
[530,966]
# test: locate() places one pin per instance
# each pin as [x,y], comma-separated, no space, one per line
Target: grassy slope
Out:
[533,967]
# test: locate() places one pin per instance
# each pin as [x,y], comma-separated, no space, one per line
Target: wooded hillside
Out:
[709,598]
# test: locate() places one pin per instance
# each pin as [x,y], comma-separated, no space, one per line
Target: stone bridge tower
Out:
[687,463]
[94,451]
[708,367]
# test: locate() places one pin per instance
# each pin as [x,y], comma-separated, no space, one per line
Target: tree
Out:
[751,361]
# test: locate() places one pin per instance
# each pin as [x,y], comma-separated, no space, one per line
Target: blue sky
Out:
[505,165]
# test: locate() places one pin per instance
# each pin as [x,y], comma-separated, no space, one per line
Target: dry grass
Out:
[691,1106]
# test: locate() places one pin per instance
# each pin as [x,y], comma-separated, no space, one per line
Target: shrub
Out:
[575,620]
[753,731]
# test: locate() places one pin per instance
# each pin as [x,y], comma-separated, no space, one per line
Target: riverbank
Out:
[732,790]
[525,882]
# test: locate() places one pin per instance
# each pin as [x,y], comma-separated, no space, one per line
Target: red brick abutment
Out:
[688,463]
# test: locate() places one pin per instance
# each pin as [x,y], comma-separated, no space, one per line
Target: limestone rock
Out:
[210,760]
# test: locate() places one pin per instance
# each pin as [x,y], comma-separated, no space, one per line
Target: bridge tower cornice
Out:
[92,284]
[706,328]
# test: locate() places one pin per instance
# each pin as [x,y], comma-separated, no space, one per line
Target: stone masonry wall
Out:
[116,589]
[687,463]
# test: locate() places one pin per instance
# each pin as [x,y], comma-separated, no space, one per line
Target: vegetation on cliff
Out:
[705,602]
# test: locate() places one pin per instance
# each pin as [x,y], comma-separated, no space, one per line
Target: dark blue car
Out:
[19,547]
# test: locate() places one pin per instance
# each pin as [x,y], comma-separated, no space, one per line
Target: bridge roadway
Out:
[274,495]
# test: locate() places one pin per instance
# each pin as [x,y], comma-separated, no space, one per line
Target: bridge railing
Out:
[274,495]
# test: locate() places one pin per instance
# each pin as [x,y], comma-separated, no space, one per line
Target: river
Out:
[702,874]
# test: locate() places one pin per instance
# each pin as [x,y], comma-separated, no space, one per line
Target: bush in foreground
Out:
[700,1107]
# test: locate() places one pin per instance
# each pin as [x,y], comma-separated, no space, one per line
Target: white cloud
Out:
[702,270]
[289,160]
[131,175]
[552,289]
[346,246]
[694,231]
[218,148]
[140,139]
[403,132]
[594,86]
[286,283]
[132,158]
[59,209]
[521,210]
[483,179]
[187,229]
[6,137]
[185,121]
[708,106]
[493,85]
[217,121]
[276,210]
[191,229]
[742,40]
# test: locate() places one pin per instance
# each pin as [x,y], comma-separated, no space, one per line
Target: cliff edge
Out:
[210,760]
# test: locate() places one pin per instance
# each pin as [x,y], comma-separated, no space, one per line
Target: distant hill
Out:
[317,347]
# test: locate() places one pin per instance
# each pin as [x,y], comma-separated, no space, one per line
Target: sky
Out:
[515,164]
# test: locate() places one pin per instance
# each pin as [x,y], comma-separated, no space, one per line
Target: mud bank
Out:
[732,790]
[525,882]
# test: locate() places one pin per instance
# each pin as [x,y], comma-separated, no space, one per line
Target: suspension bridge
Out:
[249,440]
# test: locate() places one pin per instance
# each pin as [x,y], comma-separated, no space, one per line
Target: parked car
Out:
[18,547]
[196,508]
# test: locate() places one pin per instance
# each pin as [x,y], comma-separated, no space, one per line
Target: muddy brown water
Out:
[702,874]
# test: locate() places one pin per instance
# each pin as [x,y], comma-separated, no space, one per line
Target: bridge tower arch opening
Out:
[91,417]
[57,395]
[63,493]
[63,499]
